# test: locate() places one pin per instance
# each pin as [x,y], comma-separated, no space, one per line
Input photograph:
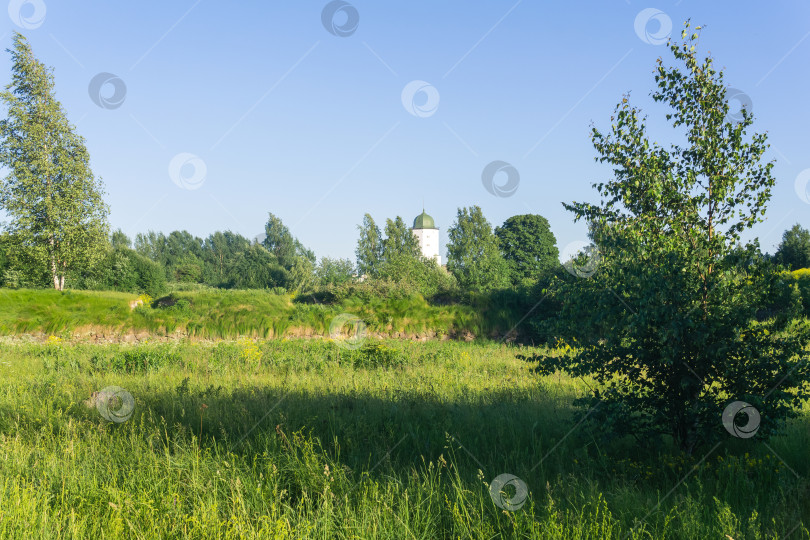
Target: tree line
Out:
[58,233]
[518,253]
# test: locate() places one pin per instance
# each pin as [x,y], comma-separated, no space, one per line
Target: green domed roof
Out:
[423,221]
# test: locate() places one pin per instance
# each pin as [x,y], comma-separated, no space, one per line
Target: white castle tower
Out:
[427,234]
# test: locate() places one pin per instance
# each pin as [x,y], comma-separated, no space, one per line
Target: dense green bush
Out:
[173,304]
[435,283]
[376,354]
[802,277]
[782,298]
[122,269]
[149,276]
[139,359]
[188,269]
[334,271]
[256,268]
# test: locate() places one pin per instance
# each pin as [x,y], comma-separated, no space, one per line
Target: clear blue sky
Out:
[288,118]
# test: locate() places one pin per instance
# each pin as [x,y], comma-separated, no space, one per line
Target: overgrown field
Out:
[216,314]
[396,439]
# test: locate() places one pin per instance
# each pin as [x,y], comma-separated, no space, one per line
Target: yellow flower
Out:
[250,351]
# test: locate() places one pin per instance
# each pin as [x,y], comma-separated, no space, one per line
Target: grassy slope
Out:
[222,314]
[302,439]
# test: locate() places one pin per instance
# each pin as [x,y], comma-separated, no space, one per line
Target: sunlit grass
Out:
[218,314]
[304,439]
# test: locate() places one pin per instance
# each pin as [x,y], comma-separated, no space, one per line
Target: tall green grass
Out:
[218,314]
[305,439]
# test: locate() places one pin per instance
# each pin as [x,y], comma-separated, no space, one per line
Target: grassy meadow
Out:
[218,314]
[302,438]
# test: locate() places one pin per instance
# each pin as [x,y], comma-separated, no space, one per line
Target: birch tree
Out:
[53,201]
